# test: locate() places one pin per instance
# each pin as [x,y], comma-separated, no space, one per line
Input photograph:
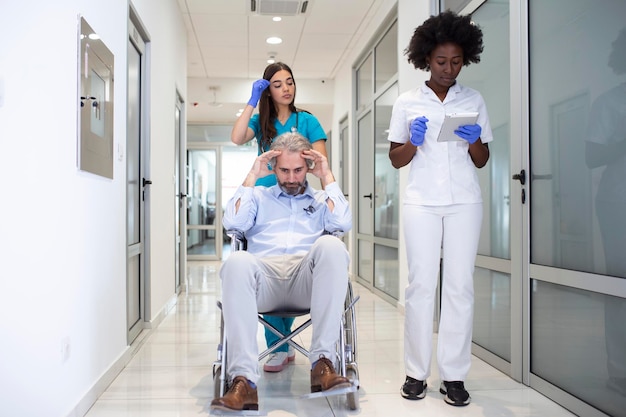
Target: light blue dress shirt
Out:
[275,223]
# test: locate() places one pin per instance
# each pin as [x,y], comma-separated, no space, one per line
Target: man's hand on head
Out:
[261,167]
[320,168]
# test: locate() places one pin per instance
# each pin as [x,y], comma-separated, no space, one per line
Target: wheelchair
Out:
[346,354]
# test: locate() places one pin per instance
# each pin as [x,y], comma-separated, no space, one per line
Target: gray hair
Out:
[292,142]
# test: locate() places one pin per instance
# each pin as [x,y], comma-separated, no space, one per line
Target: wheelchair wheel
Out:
[350,329]
[352,397]
[217,382]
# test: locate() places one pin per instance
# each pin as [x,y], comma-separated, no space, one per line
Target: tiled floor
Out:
[171,373]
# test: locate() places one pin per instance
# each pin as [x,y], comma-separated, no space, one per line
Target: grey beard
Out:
[290,191]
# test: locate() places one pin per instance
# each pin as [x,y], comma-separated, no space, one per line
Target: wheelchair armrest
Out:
[237,240]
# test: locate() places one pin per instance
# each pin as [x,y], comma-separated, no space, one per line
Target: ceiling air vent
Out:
[278,7]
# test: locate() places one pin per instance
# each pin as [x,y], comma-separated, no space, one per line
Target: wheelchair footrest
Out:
[331,393]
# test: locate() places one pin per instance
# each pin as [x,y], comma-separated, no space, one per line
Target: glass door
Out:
[202,179]
[376,201]
[179,257]
[137,188]
[577,171]
[497,330]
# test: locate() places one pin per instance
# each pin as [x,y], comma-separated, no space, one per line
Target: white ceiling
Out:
[226,50]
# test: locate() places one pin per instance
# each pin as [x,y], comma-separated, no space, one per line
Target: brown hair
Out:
[267,109]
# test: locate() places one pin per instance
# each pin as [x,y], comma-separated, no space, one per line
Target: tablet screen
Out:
[452,123]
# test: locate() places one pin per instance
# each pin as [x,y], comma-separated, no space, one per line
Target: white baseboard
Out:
[92,395]
[101,384]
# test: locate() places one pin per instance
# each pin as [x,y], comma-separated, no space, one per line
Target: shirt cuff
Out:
[333,189]
[243,191]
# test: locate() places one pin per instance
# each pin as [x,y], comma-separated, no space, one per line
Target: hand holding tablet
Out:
[452,122]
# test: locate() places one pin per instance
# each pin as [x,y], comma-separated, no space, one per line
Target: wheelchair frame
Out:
[346,355]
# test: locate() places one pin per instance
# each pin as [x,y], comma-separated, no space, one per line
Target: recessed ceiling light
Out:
[274,40]
[277,18]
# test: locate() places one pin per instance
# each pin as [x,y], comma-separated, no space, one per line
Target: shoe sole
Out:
[411,396]
[318,388]
[275,368]
[454,403]
[246,407]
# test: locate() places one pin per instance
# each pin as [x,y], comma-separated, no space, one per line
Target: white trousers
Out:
[318,281]
[426,228]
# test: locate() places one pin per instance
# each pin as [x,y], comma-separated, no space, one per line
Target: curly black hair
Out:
[617,59]
[444,28]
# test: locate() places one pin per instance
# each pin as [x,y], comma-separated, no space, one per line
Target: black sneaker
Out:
[455,393]
[413,389]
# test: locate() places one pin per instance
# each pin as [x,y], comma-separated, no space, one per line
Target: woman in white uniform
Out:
[442,202]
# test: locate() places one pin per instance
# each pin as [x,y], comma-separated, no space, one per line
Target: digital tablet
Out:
[452,123]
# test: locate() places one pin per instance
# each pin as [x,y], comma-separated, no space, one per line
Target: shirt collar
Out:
[455,88]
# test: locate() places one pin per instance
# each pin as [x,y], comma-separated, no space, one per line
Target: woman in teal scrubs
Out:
[275,94]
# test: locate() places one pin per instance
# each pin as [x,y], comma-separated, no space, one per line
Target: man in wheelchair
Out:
[292,261]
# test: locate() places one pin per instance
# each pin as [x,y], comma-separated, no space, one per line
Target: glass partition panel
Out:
[454,5]
[364,76]
[201,201]
[491,77]
[578,343]
[386,270]
[386,52]
[365,192]
[365,260]
[577,139]
[492,312]
[386,177]
[133,184]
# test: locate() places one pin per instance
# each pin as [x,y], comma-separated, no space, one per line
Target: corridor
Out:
[170,375]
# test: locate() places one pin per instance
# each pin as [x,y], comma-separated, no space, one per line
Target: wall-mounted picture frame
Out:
[95,103]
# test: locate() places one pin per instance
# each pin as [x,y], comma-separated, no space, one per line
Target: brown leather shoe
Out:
[240,396]
[324,377]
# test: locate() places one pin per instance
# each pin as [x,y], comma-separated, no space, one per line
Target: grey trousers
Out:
[317,280]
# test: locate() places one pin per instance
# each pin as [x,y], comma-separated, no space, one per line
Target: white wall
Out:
[63,250]
[411,14]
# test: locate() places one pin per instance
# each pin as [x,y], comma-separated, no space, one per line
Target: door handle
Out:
[146,182]
[541,177]
[370,196]
[521,177]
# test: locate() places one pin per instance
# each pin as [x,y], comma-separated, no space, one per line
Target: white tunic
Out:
[441,173]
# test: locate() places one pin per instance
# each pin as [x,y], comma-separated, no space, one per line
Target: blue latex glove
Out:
[418,130]
[257,88]
[470,133]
